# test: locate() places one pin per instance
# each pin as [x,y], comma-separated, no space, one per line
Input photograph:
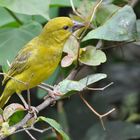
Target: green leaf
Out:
[5,17]
[91,56]
[138,29]
[85,8]
[5,129]
[12,109]
[54,12]
[64,3]
[56,126]
[104,12]
[67,86]
[16,117]
[30,7]
[71,48]
[120,27]
[124,130]
[120,2]
[88,55]
[13,113]
[13,39]
[62,116]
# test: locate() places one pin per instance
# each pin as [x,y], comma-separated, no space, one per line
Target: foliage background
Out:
[122,67]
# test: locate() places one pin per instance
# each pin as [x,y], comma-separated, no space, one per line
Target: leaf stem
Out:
[90,18]
[14,16]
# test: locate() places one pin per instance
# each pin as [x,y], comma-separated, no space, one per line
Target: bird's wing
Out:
[20,63]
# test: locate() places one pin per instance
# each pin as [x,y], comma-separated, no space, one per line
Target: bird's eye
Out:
[65,27]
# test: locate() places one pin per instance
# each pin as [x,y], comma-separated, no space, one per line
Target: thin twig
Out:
[94,10]
[101,89]
[113,109]
[32,128]
[41,131]
[23,100]
[46,103]
[95,112]
[74,10]
[29,98]
[120,45]
[40,107]
[81,35]
[92,109]
[91,18]
[74,72]
[46,85]
[23,122]
[45,88]
[31,136]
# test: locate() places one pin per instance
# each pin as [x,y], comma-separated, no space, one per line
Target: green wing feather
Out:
[19,64]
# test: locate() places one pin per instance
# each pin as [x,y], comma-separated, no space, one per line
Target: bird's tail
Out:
[5,97]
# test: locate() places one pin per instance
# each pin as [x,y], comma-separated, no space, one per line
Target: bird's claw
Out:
[52,94]
[33,110]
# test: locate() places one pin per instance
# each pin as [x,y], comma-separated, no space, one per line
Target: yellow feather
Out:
[38,59]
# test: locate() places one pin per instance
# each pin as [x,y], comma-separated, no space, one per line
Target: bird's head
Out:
[61,28]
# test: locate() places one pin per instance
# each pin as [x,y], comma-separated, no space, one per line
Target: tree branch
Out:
[30,115]
[39,108]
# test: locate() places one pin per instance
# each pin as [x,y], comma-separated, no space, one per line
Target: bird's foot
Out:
[53,94]
[32,110]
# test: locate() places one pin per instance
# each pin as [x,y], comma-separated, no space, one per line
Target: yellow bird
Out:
[39,58]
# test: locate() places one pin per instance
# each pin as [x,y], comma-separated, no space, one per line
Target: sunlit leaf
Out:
[71,48]
[67,87]
[104,12]
[64,3]
[67,60]
[30,7]
[85,8]
[5,17]
[91,56]
[13,39]
[120,27]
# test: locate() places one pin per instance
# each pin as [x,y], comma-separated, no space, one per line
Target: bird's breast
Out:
[44,63]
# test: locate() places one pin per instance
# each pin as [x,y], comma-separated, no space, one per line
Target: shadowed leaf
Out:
[56,126]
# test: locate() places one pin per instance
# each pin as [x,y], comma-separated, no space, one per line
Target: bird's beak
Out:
[77,25]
